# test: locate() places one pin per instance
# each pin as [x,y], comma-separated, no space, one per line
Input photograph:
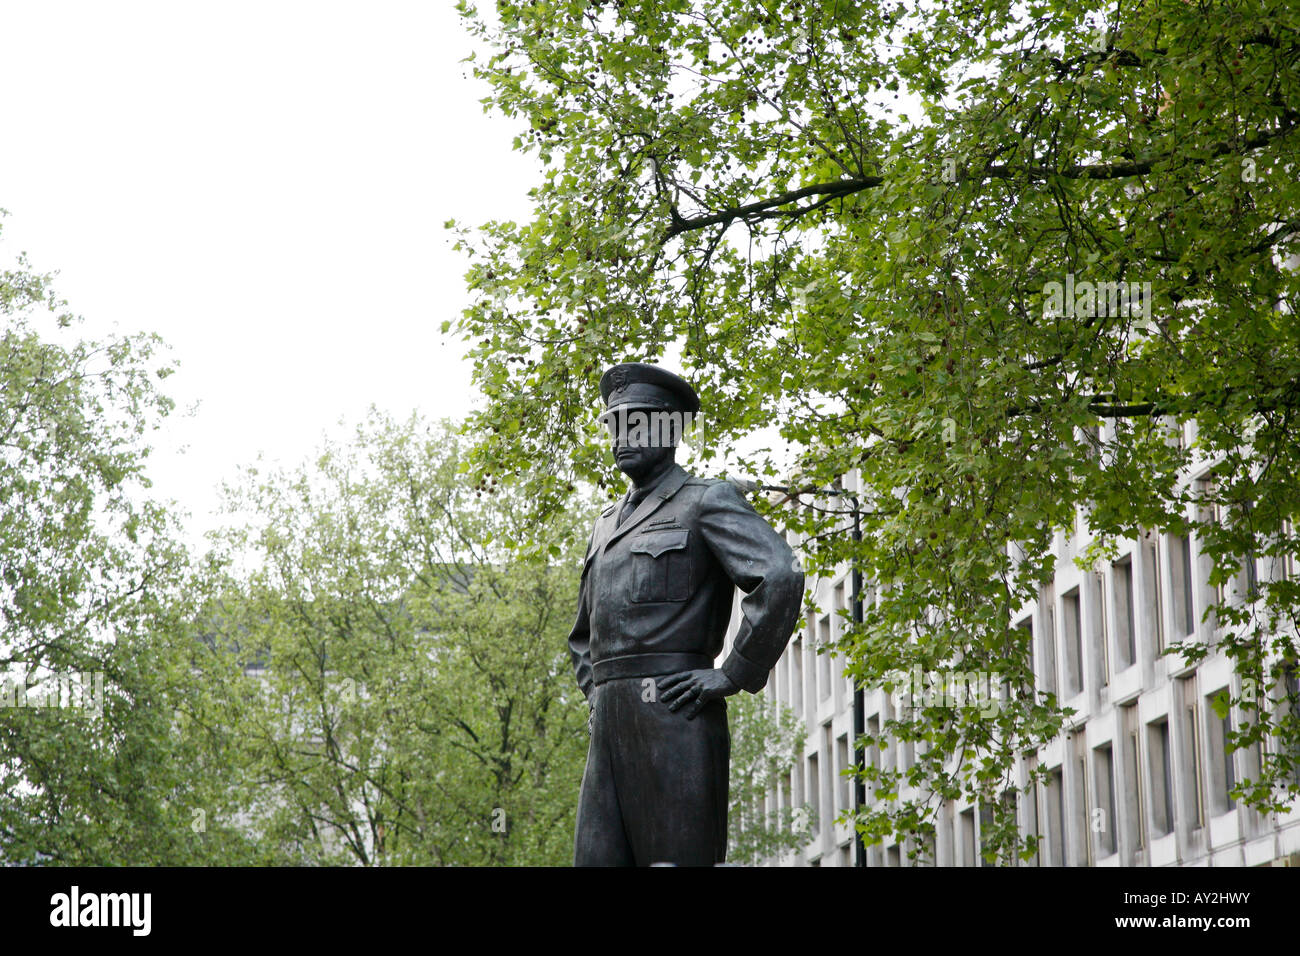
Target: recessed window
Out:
[1160,764]
[1032,827]
[1056,841]
[1122,586]
[815,792]
[796,675]
[1049,641]
[1072,627]
[1027,625]
[1082,818]
[1133,818]
[844,787]
[1193,792]
[1219,757]
[1104,780]
[1180,576]
[824,657]
[872,754]
[966,826]
[1152,604]
[1099,636]
[986,831]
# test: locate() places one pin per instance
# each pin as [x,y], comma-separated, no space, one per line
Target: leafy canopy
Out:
[847,220]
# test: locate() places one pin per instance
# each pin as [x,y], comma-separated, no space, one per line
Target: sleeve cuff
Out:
[744,673]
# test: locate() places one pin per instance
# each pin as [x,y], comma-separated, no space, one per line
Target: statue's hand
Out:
[695,688]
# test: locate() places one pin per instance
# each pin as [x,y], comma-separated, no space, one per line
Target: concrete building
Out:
[1139,777]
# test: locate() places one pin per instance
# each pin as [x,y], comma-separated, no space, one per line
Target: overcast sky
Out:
[264,185]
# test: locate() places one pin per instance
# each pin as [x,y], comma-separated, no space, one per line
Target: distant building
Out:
[1141,776]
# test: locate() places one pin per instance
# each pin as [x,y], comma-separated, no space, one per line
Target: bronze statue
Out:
[653,608]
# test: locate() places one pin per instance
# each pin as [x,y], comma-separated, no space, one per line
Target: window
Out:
[887,752]
[1289,562]
[1153,607]
[815,793]
[1027,625]
[1048,602]
[929,852]
[1193,794]
[1056,840]
[986,829]
[1073,633]
[1160,766]
[837,619]
[1291,702]
[1104,780]
[872,754]
[1131,757]
[824,657]
[1031,826]
[1219,757]
[1122,584]
[1180,575]
[966,839]
[796,675]
[1082,818]
[1100,638]
[1210,511]
[845,785]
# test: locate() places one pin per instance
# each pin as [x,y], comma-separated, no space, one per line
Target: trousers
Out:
[656,784]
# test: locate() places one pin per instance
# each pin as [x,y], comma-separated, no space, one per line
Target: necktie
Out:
[634,499]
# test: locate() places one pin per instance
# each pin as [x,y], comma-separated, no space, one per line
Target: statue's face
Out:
[638,451]
[637,461]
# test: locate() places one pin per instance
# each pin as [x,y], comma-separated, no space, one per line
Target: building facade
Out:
[1140,776]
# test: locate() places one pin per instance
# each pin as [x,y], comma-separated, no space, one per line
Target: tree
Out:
[89,573]
[395,678]
[766,746]
[986,255]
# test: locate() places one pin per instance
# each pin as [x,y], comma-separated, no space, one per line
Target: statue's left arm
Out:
[580,635]
[762,565]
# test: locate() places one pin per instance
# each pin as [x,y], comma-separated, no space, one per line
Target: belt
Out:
[646,665]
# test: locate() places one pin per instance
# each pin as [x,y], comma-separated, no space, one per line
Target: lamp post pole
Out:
[859,696]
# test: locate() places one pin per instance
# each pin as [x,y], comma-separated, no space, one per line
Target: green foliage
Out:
[736,183]
[394,678]
[766,746]
[89,579]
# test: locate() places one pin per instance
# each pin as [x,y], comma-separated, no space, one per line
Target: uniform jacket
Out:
[663,582]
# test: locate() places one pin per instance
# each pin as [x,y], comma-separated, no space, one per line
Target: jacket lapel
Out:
[663,491]
[604,525]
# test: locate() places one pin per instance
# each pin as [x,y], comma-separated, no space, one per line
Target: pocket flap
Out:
[656,543]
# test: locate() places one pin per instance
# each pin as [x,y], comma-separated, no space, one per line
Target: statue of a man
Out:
[655,601]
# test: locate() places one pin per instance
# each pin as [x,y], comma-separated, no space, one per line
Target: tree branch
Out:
[843,187]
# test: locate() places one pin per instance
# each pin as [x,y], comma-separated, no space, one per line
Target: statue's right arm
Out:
[580,636]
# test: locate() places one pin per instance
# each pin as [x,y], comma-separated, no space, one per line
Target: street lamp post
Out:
[859,696]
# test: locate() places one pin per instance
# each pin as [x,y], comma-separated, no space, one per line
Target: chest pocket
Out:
[661,567]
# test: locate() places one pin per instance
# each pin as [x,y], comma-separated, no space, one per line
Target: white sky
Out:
[264,185]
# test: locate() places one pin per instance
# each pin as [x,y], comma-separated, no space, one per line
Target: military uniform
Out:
[655,599]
